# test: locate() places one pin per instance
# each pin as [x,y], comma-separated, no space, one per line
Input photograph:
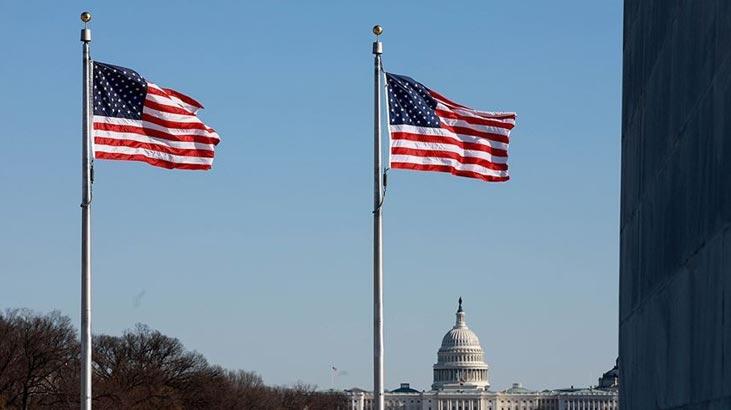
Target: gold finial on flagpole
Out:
[377,30]
[86,17]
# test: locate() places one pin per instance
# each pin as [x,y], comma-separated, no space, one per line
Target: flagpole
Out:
[86,178]
[377,227]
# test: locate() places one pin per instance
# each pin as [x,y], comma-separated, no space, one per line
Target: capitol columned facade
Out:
[461,382]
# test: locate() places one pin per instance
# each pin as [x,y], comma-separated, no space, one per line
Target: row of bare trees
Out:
[142,369]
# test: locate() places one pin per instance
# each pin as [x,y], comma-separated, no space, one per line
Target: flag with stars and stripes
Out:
[136,120]
[432,133]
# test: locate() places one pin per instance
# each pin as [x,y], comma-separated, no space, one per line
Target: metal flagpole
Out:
[86,179]
[377,226]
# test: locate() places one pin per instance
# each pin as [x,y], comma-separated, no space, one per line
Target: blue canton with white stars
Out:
[410,103]
[118,92]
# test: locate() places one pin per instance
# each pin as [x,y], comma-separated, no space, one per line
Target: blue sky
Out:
[264,263]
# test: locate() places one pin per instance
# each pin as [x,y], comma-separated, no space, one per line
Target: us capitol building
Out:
[461,383]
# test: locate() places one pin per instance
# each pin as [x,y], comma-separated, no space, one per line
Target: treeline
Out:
[142,369]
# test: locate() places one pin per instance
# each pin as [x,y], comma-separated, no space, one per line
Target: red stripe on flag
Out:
[473,146]
[167,108]
[446,101]
[451,155]
[150,132]
[201,153]
[474,133]
[175,124]
[156,91]
[183,97]
[152,161]
[448,169]
[473,120]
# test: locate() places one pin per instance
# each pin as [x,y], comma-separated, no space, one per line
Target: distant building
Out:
[610,379]
[461,382]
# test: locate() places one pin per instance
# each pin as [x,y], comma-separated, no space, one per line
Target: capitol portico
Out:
[461,382]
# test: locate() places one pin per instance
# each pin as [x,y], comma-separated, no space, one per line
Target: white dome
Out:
[460,337]
[460,360]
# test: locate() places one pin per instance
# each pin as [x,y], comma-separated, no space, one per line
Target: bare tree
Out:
[145,369]
[246,390]
[141,369]
[35,353]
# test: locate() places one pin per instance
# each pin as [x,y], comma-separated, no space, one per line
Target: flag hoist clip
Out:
[383,196]
[86,204]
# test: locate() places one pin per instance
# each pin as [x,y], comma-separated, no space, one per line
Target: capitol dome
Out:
[460,360]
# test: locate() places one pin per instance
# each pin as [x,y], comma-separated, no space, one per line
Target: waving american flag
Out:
[137,120]
[432,133]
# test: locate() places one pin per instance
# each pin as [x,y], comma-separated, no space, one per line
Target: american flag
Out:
[432,133]
[136,120]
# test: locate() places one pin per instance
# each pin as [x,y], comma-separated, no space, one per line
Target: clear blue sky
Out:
[264,263]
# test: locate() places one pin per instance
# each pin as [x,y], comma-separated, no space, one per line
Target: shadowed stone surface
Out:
[675,220]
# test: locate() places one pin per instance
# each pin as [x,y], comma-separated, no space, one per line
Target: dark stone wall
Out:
[675,219]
